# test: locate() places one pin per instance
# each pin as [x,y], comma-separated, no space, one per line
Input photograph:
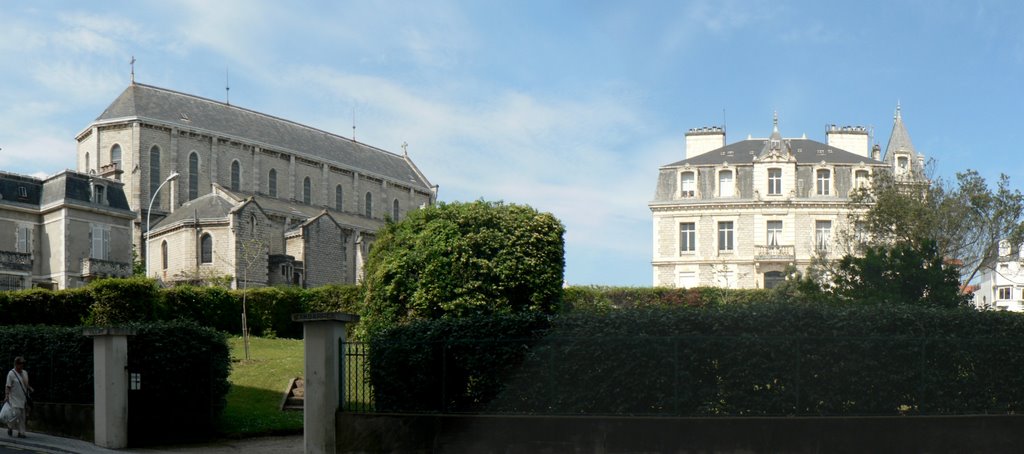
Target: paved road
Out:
[12,450]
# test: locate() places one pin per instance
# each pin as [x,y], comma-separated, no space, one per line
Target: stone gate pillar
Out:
[110,385]
[322,333]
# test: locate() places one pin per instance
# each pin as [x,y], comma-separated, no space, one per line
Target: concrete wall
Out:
[473,434]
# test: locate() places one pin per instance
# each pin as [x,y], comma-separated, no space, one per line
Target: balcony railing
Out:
[106,268]
[764,253]
[15,261]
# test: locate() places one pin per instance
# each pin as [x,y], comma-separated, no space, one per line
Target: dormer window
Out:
[860,179]
[725,184]
[902,165]
[22,192]
[687,185]
[823,178]
[98,194]
[774,181]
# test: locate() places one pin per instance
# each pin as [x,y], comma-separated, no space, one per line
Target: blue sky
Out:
[570,107]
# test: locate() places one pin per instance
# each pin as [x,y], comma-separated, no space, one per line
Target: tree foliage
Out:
[463,259]
[906,272]
[965,219]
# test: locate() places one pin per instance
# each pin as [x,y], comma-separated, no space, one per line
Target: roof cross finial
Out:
[132,63]
[775,121]
[354,123]
[898,115]
[227,86]
[405,148]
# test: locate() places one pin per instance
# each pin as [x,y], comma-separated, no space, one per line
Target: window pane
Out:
[725,236]
[822,234]
[338,198]
[774,181]
[272,182]
[369,205]
[394,210]
[206,249]
[687,237]
[774,233]
[725,186]
[154,173]
[687,185]
[823,182]
[193,176]
[236,176]
[306,190]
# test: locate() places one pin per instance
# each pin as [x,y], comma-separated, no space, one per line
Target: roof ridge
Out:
[266,115]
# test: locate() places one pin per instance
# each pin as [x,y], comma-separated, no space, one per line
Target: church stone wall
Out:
[250,246]
[324,257]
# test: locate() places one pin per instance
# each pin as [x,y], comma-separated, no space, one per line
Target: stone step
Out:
[294,395]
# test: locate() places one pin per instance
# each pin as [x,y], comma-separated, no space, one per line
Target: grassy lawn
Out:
[258,385]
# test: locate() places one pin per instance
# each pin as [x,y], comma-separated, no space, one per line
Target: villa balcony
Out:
[15,261]
[105,268]
[774,253]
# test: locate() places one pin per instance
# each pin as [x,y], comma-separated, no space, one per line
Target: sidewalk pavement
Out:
[290,444]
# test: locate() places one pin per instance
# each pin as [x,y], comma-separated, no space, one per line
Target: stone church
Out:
[221,190]
[738,215]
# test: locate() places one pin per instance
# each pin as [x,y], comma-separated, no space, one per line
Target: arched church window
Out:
[206,248]
[115,155]
[394,210]
[339,198]
[163,255]
[236,176]
[272,183]
[154,173]
[193,176]
[368,208]
[307,189]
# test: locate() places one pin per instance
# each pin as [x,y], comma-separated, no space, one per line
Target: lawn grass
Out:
[258,385]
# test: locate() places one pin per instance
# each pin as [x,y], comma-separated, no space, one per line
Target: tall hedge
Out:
[183,369]
[723,360]
[184,372]
[464,259]
[117,301]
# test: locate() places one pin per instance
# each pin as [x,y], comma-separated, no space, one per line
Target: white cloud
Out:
[567,156]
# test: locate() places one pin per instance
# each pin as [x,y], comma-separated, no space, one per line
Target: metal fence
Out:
[691,376]
[356,392]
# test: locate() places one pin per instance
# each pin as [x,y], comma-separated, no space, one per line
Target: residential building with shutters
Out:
[738,215]
[62,231]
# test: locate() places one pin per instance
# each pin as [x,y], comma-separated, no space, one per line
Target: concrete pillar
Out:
[110,385]
[322,333]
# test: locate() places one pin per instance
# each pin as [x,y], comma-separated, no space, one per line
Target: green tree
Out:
[905,272]
[464,259]
[966,220]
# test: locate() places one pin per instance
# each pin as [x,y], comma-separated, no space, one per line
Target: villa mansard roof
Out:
[67,188]
[188,112]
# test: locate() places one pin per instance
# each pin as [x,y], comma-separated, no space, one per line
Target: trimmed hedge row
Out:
[184,373]
[118,301]
[720,360]
[601,298]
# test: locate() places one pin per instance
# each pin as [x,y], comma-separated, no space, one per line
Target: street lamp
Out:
[149,212]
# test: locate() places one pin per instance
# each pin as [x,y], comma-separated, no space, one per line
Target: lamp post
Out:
[149,212]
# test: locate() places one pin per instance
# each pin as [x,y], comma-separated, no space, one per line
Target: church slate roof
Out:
[211,206]
[192,112]
[805,151]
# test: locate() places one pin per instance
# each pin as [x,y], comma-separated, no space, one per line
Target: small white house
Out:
[1001,286]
